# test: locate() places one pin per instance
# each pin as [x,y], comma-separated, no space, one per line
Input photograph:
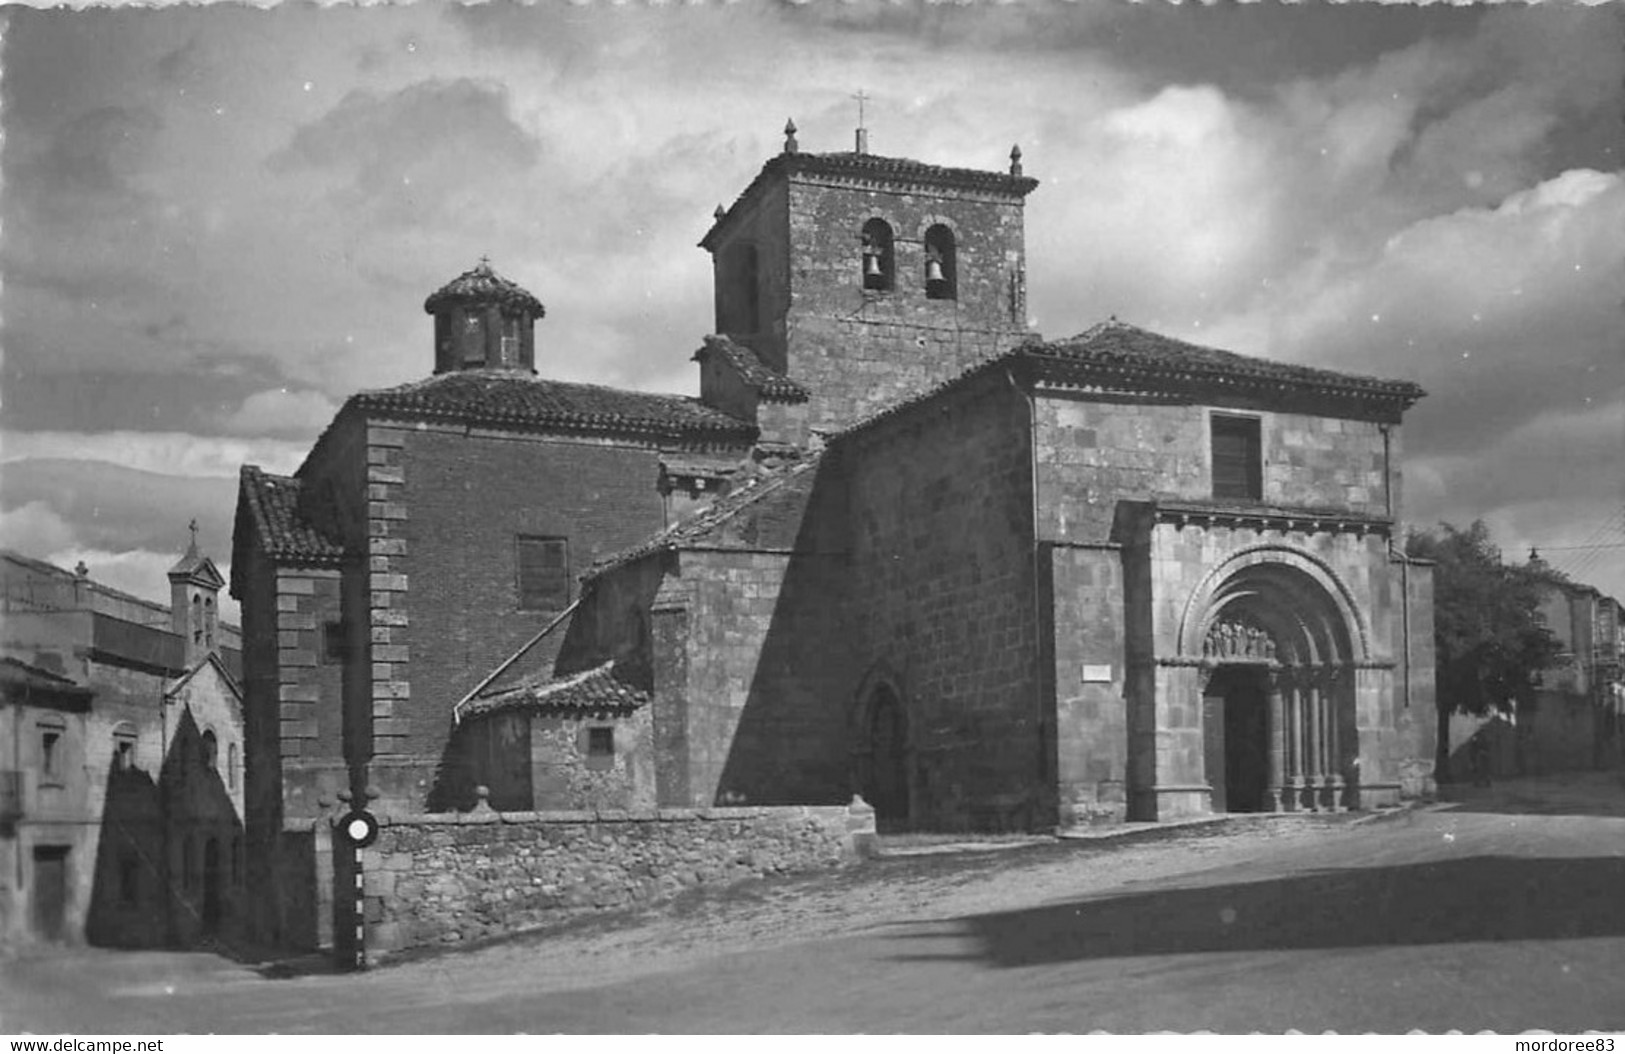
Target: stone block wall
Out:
[942,588]
[448,878]
[1091,683]
[769,684]
[861,350]
[1094,454]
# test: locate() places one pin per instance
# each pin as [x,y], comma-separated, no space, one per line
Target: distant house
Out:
[121,759]
[1577,718]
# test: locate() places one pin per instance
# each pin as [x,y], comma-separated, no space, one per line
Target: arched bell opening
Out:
[1277,692]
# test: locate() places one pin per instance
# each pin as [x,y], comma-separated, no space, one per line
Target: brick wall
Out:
[942,593]
[447,508]
[310,716]
[445,879]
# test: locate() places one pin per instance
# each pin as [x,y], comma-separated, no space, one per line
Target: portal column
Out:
[1277,741]
[1334,751]
[1313,769]
[1294,739]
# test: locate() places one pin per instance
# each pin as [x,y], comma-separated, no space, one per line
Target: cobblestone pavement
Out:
[1500,910]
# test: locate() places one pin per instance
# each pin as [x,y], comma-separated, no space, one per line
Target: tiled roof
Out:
[1119,355]
[273,502]
[1118,346]
[875,170]
[707,521]
[610,687]
[502,397]
[768,382]
[481,285]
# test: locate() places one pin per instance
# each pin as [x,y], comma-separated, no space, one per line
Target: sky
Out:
[219,221]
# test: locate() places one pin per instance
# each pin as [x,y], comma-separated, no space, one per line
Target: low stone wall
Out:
[440,879]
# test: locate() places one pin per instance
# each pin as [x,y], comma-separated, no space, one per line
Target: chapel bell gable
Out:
[482,321]
[194,602]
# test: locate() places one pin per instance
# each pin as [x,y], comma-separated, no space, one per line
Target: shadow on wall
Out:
[792,745]
[169,863]
[1474,899]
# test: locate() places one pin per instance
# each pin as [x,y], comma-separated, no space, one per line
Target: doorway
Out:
[49,904]
[1235,736]
[211,887]
[886,786]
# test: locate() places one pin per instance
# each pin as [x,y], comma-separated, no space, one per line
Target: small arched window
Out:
[510,340]
[208,622]
[197,618]
[211,751]
[879,260]
[231,765]
[124,741]
[941,265]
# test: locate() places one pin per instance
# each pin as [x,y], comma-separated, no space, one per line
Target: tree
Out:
[1490,643]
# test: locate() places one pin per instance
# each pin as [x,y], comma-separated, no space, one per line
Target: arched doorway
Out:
[883,765]
[1276,640]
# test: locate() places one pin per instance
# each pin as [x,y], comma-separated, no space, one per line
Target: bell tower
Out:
[867,279]
[194,602]
[482,321]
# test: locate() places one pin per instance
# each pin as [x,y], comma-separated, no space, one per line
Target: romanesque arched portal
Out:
[1275,639]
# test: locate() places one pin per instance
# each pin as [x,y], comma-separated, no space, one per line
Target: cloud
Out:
[415,154]
[280,412]
[34,528]
[162,453]
[1502,313]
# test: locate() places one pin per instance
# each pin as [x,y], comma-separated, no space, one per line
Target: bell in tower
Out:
[482,321]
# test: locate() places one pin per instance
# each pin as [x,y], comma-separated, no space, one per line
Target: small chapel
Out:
[898,546]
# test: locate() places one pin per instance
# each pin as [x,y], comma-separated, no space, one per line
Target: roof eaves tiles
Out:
[506,399]
[286,536]
[694,529]
[1118,355]
[769,383]
[603,689]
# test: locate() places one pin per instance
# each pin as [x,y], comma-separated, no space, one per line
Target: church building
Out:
[898,546]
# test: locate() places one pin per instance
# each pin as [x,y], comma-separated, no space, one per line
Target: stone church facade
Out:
[898,546]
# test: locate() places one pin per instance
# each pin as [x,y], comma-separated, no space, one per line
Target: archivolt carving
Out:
[1238,639]
[1307,585]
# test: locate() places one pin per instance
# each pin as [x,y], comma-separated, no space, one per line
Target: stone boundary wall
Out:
[439,879]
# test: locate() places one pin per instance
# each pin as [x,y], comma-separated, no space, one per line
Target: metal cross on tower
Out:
[863,133]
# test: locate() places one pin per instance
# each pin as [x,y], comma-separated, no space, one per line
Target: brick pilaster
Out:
[389,625]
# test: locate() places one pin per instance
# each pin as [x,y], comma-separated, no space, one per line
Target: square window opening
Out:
[1238,462]
[544,574]
[600,748]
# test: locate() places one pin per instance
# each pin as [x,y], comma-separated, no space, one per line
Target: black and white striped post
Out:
[360,829]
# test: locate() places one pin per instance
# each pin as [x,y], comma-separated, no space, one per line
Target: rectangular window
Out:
[1238,461]
[600,748]
[50,751]
[544,574]
[333,643]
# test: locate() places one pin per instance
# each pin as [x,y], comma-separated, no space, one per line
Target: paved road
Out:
[1504,912]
